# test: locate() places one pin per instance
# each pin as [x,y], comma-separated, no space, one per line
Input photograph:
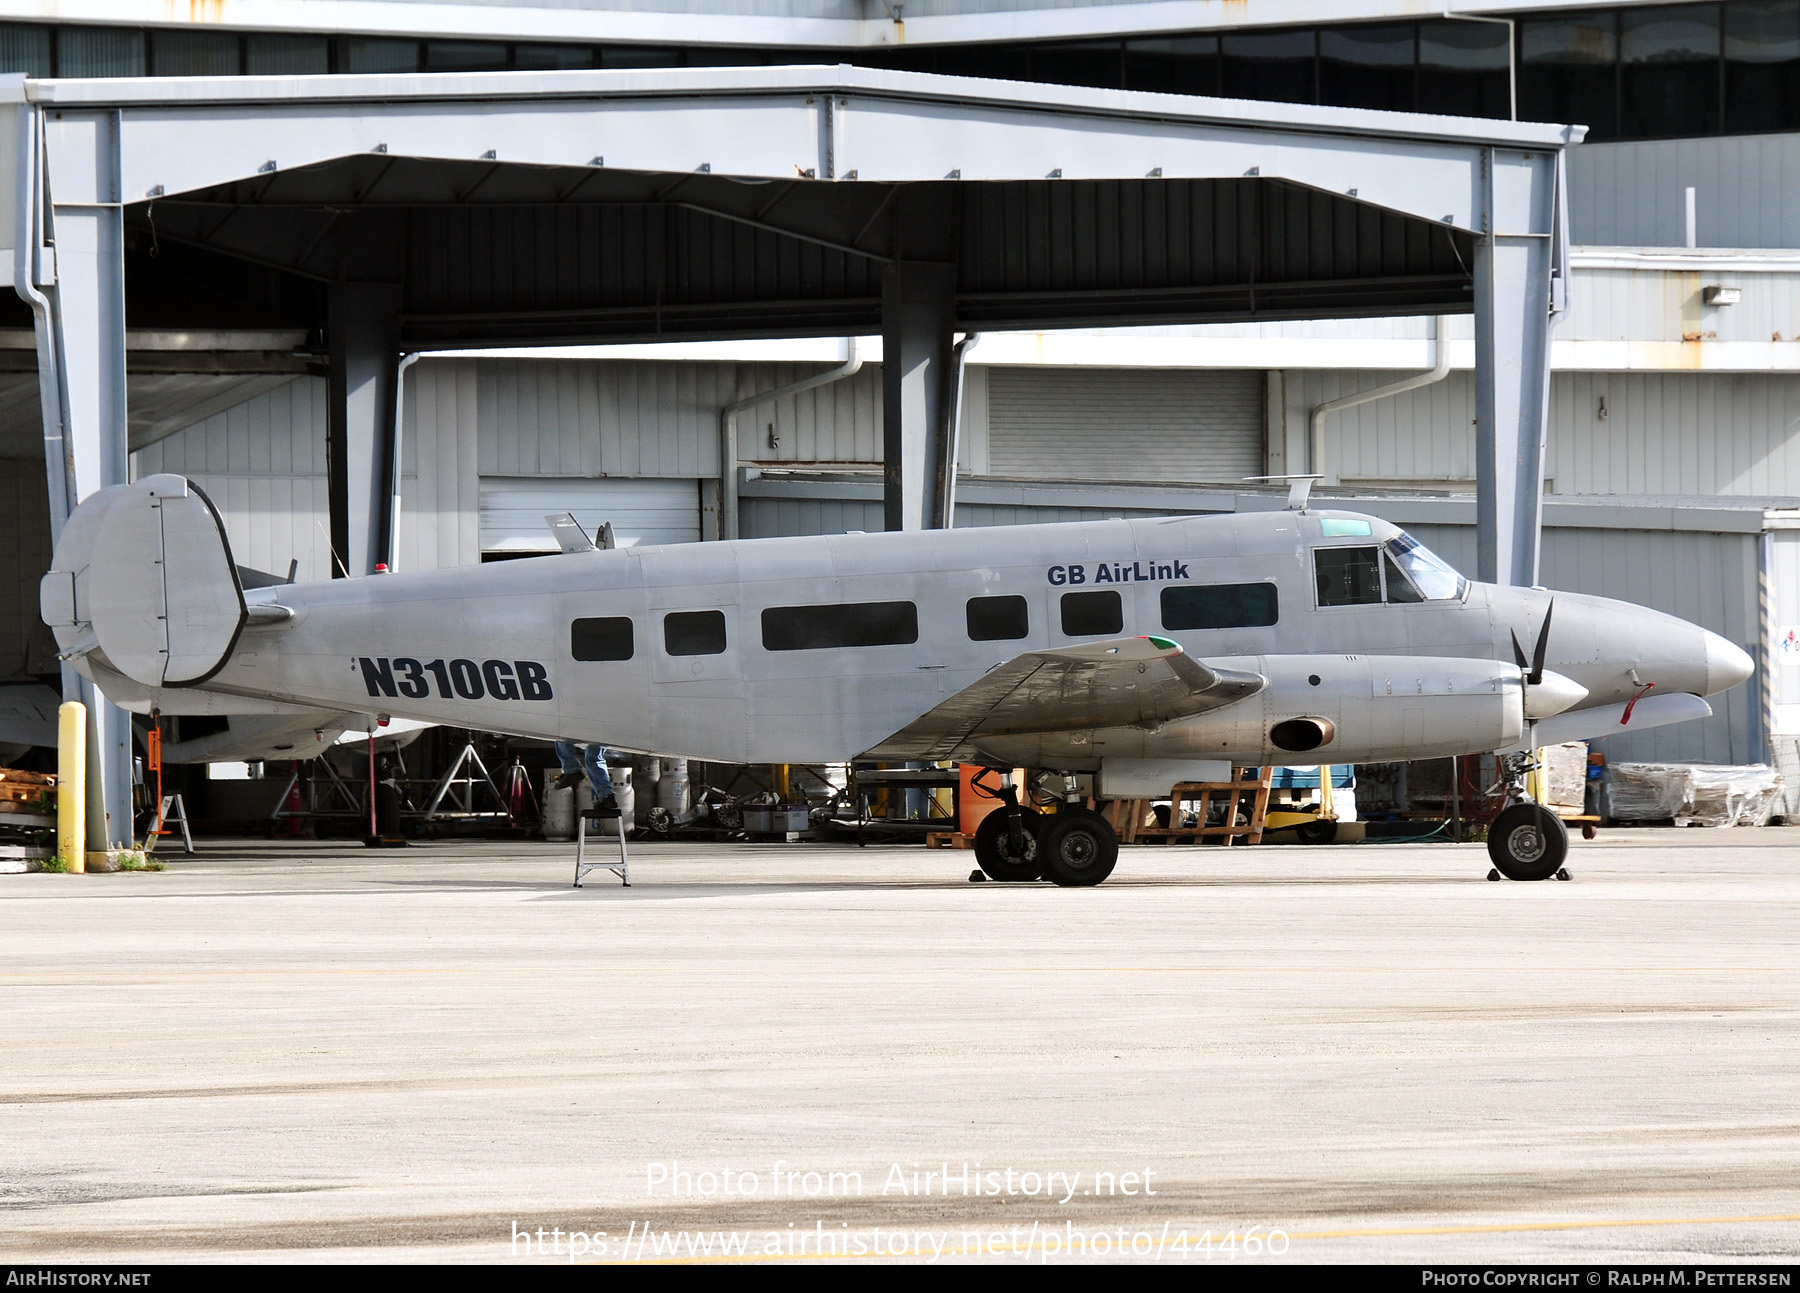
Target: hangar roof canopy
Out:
[524,208]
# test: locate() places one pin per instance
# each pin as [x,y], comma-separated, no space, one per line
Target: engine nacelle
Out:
[1316,709]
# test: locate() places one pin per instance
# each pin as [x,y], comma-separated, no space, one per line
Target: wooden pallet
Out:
[1233,794]
[17,777]
[949,840]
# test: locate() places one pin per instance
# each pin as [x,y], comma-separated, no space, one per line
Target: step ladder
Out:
[621,868]
[170,809]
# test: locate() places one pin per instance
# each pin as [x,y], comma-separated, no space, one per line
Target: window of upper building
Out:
[1369,67]
[25,49]
[1568,71]
[1762,65]
[1647,71]
[286,55]
[1669,71]
[195,53]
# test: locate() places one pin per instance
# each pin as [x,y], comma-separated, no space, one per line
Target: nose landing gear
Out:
[1527,841]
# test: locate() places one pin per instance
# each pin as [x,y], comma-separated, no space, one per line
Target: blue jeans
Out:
[590,757]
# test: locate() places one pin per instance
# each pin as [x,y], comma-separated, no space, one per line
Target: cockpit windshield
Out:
[1430,573]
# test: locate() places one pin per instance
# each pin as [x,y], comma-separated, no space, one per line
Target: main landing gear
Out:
[1072,848]
[1527,841]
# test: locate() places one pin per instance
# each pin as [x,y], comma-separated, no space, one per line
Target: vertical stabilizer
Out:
[144,573]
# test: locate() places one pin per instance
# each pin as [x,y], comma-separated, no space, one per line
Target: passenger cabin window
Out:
[607,638]
[1348,576]
[694,632]
[1086,615]
[854,624]
[998,619]
[1220,606]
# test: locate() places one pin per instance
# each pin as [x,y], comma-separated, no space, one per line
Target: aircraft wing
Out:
[1141,681]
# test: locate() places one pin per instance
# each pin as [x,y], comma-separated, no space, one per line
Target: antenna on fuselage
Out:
[1299,489]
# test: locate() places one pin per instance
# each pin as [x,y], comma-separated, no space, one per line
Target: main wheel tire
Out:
[993,852]
[1322,831]
[1078,848]
[1528,842]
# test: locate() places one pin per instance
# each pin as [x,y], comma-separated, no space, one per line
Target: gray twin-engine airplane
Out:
[1144,652]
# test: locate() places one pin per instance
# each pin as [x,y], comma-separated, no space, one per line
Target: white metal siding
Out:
[263,465]
[1747,192]
[439,490]
[1425,434]
[641,418]
[1664,433]
[1108,424]
[1675,433]
[641,511]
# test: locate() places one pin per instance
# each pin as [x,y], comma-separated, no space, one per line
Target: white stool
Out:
[621,868]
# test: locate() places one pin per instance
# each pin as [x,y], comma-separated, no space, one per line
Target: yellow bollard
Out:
[71,785]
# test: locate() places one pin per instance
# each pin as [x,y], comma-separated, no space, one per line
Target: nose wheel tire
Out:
[1528,842]
[1078,848]
[994,852]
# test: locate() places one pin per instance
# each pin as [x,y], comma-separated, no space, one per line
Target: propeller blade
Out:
[1519,655]
[1543,646]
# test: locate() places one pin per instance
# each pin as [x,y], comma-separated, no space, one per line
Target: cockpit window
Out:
[1434,577]
[1399,587]
[1348,576]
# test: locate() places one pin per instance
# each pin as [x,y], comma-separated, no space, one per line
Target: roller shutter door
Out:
[1125,424]
[662,510]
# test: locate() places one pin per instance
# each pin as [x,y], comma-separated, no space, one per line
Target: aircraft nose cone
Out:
[1726,664]
[1552,695]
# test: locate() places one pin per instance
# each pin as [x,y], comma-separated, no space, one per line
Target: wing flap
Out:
[1127,682]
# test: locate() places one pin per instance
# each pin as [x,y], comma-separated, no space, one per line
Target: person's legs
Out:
[598,777]
[568,754]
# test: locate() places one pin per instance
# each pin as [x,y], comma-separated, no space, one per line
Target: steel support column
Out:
[918,317]
[365,365]
[1513,262]
[69,265]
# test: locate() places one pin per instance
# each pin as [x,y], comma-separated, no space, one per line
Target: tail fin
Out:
[144,574]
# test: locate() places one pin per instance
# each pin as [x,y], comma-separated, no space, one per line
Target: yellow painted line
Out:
[1163,1244]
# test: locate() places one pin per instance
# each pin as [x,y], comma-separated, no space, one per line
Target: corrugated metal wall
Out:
[1664,433]
[263,465]
[1426,434]
[1676,433]
[439,488]
[1747,192]
[1111,424]
[655,418]
[23,560]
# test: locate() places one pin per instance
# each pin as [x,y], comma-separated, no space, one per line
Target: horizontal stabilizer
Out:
[1127,682]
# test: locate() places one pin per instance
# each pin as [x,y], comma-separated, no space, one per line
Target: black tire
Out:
[1322,831]
[1078,848]
[993,855]
[1528,842]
